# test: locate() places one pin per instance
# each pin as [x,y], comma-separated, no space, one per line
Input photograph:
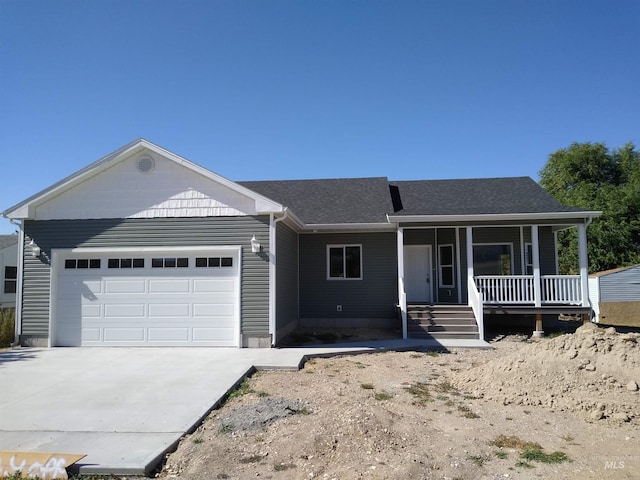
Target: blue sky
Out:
[314,89]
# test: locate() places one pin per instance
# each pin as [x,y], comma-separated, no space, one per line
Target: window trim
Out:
[10,279]
[343,246]
[451,265]
[509,244]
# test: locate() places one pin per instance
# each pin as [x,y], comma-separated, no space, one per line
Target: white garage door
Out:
[175,298]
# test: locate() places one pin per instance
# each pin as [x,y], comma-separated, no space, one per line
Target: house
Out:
[8,267]
[144,247]
[615,296]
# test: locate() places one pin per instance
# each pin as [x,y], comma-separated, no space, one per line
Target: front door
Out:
[417,273]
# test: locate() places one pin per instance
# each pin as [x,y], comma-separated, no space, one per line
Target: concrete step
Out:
[441,321]
[443,335]
[442,328]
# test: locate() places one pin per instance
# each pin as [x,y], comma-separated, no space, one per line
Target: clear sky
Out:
[275,89]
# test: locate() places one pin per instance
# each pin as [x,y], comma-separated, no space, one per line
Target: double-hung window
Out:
[10,279]
[528,258]
[344,262]
[445,261]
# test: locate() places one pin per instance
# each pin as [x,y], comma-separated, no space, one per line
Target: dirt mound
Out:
[594,372]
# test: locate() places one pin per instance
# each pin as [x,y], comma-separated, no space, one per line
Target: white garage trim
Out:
[61,276]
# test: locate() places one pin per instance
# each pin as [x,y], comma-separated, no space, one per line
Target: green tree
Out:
[589,176]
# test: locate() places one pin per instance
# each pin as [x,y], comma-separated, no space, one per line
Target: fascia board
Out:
[350,226]
[494,217]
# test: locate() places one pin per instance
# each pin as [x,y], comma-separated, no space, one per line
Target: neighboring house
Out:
[615,296]
[8,270]
[144,247]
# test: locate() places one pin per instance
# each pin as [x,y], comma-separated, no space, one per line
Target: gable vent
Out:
[145,164]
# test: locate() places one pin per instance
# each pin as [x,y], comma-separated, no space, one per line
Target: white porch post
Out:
[537,287]
[469,254]
[583,263]
[402,295]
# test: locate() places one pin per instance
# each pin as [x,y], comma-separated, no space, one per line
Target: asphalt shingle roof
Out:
[475,197]
[368,200]
[7,240]
[330,201]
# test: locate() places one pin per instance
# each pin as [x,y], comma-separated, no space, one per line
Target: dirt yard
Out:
[564,408]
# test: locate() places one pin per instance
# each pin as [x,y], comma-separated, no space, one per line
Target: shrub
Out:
[7,326]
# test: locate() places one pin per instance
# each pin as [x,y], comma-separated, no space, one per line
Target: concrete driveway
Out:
[125,407]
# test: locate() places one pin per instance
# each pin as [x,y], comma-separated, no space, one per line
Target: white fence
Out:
[519,289]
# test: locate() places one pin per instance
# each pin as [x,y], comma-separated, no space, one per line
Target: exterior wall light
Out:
[35,250]
[255,245]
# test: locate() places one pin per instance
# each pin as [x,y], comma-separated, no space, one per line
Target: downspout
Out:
[18,323]
[272,273]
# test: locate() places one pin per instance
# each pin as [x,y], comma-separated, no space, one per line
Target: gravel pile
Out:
[594,372]
[258,415]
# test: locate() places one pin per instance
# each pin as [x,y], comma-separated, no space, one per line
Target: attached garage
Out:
[146,297]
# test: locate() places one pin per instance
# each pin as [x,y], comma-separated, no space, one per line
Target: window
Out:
[344,262]
[10,279]
[446,266]
[81,263]
[170,262]
[528,258]
[125,263]
[214,262]
[492,259]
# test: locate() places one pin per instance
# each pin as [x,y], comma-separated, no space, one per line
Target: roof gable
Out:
[142,180]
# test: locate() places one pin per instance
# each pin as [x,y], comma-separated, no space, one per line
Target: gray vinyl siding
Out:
[35,292]
[375,296]
[547,247]
[547,251]
[621,286]
[211,231]
[286,278]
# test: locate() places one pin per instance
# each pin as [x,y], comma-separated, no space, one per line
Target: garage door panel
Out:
[170,286]
[168,334]
[128,334]
[169,310]
[213,334]
[124,286]
[124,311]
[213,310]
[147,306]
[223,285]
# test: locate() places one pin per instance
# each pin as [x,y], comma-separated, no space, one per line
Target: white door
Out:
[417,273]
[172,298]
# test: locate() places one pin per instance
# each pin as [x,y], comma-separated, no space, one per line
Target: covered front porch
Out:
[508,268]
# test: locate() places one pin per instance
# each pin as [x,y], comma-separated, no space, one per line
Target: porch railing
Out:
[519,289]
[563,289]
[475,302]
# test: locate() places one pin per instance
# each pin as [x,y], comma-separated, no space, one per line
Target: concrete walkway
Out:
[126,407]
